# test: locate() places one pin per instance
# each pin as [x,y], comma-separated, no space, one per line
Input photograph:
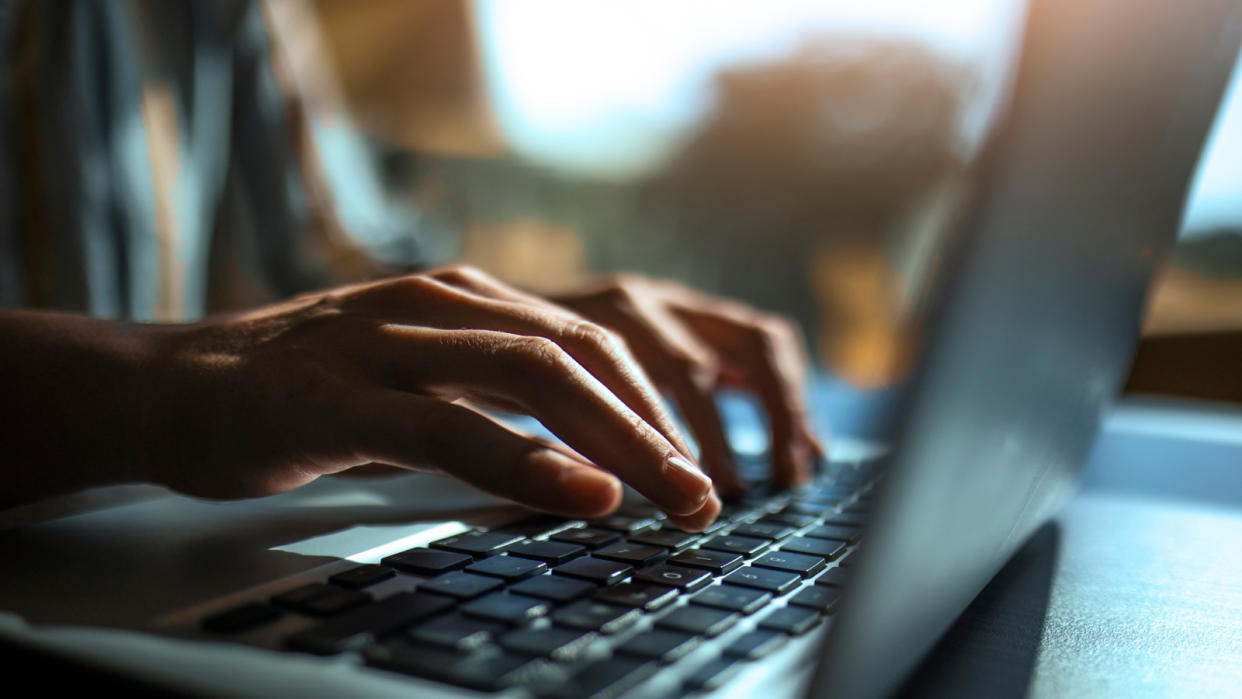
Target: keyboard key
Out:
[685,579]
[848,560]
[299,596]
[456,632]
[460,585]
[245,617]
[633,554]
[362,626]
[775,581]
[590,615]
[558,643]
[426,561]
[733,598]
[606,678]
[553,553]
[639,594]
[847,519]
[713,675]
[659,644]
[788,519]
[668,538]
[596,570]
[335,602]
[535,525]
[821,598]
[833,531]
[553,588]
[509,568]
[362,576]
[744,545]
[484,671]
[587,536]
[824,548]
[812,509]
[718,562]
[755,645]
[834,576]
[478,544]
[700,621]
[625,524]
[799,563]
[510,609]
[791,620]
[759,530]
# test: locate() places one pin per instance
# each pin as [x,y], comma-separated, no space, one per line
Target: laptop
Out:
[418,585]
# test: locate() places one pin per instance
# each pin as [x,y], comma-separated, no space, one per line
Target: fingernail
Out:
[689,481]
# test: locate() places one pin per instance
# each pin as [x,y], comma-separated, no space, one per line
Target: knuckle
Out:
[463,274]
[537,353]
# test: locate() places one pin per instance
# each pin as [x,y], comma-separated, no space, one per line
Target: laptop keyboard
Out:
[572,608]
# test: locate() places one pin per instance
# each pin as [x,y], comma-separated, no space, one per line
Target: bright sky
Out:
[623,81]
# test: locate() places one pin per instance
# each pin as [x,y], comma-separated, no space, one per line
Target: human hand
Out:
[691,344]
[262,402]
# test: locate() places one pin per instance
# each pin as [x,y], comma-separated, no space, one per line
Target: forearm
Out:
[73,406]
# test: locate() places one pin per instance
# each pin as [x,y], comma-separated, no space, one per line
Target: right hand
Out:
[262,402]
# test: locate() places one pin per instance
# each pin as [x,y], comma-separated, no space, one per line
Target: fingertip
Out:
[700,519]
[588,492]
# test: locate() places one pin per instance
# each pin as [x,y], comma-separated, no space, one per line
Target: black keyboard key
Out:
[553,553]
[362,576]
[625,524]
[507,608]
[335,602]
[478,544]
[821,598]
[659,644]
[833,531]
[668,538]
[484,671]
[755,645]
[591,615]
[834,577]
[245,617]
[510,568]
[587,536]
[535,525]
[799,563]
[760,530]
[553,588]
[606,679]
[791,620]
[824,548]
[633,554]
[639,594]
[554,642]
[774,581]
[700,621]
[299,596]
[733,598]
[848,560]
[461,585]
[426,561]
[685,579]
[788,519]
[596,570]
[744,545]
[456,632]
[713,675]
[363,626]
[718,562]
[847,519]
[812,509]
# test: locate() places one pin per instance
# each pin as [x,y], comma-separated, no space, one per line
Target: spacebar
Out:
[362,627]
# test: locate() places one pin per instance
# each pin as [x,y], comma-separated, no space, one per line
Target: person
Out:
[136,174]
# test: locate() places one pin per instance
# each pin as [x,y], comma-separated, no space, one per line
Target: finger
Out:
[698,521]
[688,370]
[499,308]
[542,379]
[767,354]
[425,433]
